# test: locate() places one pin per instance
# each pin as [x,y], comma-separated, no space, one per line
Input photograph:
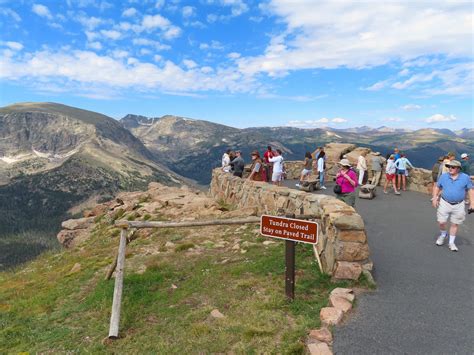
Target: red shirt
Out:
[268,154]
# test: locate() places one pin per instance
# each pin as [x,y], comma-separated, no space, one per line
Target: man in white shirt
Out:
[226,161]
[362,167]
[277,161]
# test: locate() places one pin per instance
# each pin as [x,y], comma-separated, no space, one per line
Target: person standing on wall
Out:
[362,167]
[448,198]
[377,163]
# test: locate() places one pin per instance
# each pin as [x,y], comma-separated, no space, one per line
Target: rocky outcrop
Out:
[342,245]
[158,202]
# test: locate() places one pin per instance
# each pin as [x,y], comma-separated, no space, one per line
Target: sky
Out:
[245,63]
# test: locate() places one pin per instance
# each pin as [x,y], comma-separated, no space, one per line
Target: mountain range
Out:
[55,160]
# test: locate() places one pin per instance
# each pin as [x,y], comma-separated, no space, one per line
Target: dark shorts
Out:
[401,171]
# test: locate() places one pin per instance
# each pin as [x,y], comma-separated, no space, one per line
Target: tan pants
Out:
[376,177]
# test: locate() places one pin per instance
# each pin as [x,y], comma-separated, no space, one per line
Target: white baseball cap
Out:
[464,155]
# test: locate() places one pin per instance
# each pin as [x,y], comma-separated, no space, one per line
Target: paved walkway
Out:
[423,303]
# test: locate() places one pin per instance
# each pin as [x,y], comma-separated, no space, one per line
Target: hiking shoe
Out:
[453,247]
[440,240]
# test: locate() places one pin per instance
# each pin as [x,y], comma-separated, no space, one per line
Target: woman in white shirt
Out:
[362,167]
[321,169]
[277,161]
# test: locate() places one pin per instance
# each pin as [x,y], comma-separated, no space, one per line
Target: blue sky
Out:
[245,63]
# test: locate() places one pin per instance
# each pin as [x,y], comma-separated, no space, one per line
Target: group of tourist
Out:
[314,162]
[270,168]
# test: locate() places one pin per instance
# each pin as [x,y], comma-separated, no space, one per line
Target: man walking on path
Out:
[452,188]
[362,167]
[377,162]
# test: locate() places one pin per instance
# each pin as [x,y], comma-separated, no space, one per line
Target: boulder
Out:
[347,270]
[216,314]
[340,303]
[81,223]
[322,334]
[352,251]
[330,316]
[358,236]
[71,238]
[319,349]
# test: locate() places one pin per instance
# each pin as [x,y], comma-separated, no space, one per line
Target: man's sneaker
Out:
[397,193]
[453,247]
[323,187]
[440,240]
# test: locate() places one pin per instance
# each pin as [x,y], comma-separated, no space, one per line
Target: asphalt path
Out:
[423,303]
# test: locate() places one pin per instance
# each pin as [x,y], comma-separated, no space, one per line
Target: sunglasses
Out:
[452,167]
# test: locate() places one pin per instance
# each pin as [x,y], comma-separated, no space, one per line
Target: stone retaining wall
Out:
[342,245]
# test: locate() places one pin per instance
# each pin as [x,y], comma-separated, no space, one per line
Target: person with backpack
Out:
[346,183]
[257,172]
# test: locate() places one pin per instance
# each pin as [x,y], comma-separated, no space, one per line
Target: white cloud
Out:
[411,107]
[237,8]
[190,64]
[392,119]
[315,123]
[213,45]
[148,42]
[111,34]
[362,34]
[16,46]
[157,21]
[404,72]
[91,36]
[10,13]
[120,53]
[90,22]
[188,11]
[159,4]
[377,86]
[94,45]
[42,11]
[77,69]
[172,32]
[440,118]
[157,58]
[129,12]
[233,55]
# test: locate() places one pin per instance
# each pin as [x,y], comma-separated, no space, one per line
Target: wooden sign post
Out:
[292,231]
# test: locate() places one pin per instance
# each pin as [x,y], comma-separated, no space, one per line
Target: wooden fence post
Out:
[115,317]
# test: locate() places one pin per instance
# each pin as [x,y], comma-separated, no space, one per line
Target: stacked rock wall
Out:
[342,245]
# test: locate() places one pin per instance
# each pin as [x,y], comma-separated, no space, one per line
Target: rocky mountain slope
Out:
[54,157]
[193,147]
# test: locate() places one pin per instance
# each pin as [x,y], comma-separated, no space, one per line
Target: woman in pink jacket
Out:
[346,178]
